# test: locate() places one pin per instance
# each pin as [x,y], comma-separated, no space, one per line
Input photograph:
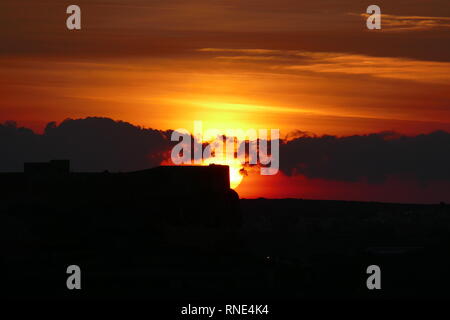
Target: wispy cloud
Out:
[343,63]
[249,51]
[396,23]
[381,67]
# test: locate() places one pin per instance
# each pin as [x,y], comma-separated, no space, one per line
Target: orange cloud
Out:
[381,67]
[346,63]
[398,23]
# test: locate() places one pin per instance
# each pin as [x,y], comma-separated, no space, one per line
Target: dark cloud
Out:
[97,144]
[91,144]
[373,157]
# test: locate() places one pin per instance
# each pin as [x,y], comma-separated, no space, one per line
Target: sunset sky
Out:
[294,65]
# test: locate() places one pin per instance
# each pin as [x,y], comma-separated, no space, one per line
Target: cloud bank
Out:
[91,144]
[372,158]
[97,144]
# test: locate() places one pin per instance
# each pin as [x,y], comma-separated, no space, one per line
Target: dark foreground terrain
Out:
[283,249]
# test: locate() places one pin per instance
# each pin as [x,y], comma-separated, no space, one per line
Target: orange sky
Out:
[293,65]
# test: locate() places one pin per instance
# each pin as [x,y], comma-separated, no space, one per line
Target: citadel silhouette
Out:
[165,192]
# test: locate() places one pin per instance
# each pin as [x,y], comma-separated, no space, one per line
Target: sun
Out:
[235,169]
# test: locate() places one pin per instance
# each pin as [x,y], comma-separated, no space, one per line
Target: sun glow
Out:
[235,165]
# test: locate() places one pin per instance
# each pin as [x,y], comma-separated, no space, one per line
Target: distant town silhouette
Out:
[177,232]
